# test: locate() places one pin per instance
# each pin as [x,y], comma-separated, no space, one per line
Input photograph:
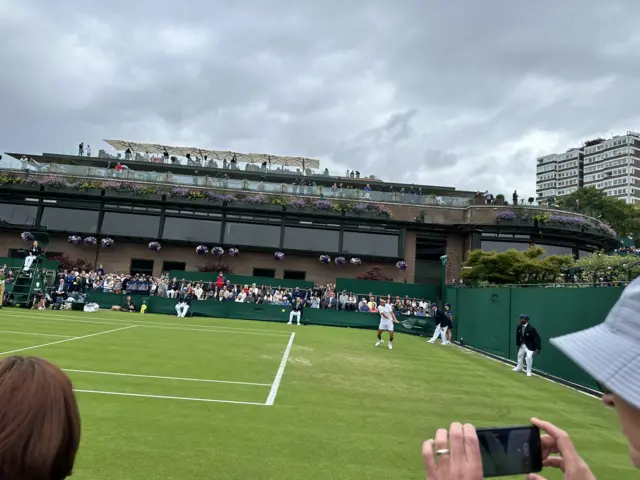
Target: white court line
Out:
[163,326]
[67,340]
[276,382]
[467,350]
[209,400]
[36,334]
[167,378]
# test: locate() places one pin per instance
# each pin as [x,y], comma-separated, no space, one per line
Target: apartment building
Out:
[559,174]
[614,166]
[611,165]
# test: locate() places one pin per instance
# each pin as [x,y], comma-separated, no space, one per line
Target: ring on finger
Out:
[443,451]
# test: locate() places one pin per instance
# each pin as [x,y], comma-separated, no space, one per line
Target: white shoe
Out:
[298,323]
[431,341]
[379,342]
[529,374]
[516,369]
[390,346]
[288,323]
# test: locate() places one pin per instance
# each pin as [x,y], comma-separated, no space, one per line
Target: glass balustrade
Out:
[219,182]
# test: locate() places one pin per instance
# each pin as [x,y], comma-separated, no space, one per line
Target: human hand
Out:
[557,441]
[458,454]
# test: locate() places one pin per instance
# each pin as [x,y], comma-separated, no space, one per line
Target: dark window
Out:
[556,250]
[130,225]
[142,266]
[70,220]
[14,214]
[295,275]
[311,239]
[264,272]
[370,244]
[583,253]
[252,235]
[168,266]
[191,230]
[500,247]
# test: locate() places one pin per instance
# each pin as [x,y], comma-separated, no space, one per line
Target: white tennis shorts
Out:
[386,324]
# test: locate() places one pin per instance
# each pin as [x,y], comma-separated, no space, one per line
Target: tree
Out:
[376,273]
[599,267]
[623,217]
[514,267]
[66,263]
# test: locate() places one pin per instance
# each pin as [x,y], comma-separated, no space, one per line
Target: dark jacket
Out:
[36,251]
[185,298]
[297,307]
[440,318]
[530,338]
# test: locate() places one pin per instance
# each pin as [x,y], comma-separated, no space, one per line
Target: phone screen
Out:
[510,450]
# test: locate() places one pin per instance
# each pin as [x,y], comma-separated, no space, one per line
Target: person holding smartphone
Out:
[610,353]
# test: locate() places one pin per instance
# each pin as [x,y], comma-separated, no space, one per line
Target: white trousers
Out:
[182,309]
[523,352]
[171,294]
[442,331]
[28,261]
[295,315]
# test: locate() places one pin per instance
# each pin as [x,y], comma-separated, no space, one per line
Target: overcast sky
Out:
[462,93]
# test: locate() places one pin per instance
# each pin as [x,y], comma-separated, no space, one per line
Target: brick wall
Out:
[118,259]
[455,256]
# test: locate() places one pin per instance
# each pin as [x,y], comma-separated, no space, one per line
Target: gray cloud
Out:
[462,93]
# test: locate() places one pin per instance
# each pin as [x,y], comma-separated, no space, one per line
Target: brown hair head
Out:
[39,420]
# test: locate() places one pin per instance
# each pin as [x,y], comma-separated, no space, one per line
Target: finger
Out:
[554,462]
[563,443]
[429,458]
[442,443]
[533,476]
[456,442]
[472,448]
[548,445]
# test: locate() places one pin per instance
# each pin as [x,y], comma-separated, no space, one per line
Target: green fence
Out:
[239,279]
[486,319]
[395,289]
[248,311]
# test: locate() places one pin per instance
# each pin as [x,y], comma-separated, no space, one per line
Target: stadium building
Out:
[262,204]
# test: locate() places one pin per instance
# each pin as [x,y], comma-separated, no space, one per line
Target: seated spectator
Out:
[363,306]
[39,432]
[352,303]
[129,305]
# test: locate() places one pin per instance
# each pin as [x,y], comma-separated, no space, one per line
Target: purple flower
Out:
[402,265]
[90,241]
[113,185]
[107,242]
[340,261]
[325,258]
[74,240]
[202,250]
[355,261]
[155,246]
[233,252]
[212,195]
[505,215]
[360,207]
[217,251]
[228,198]
[53,181]
[256,199]
[278,256]
[380,209]
[298,203]
[565,220]
[179,192]
[27,236]
[322,205]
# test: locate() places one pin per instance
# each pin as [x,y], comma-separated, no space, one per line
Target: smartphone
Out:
[510,450]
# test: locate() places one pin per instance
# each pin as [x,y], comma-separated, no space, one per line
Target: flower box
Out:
[61,189]
[366,214]
[21,187]
[94,192]
[258,206]
[121,194]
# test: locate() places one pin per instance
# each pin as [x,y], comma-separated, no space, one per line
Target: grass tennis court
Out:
[168,398]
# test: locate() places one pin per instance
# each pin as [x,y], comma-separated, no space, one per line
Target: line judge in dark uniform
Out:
[528,342]
[32,254]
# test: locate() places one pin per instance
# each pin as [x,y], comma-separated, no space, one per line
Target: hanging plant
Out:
[217,251]
[27,236]
[202,250]
[278,256]
[355,261]
[325,258]
[90,241]
[107,242]
[340,261]
[155,246]
[402,265]
[74,240]
[233,252]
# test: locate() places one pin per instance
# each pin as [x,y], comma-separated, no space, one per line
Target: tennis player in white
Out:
[387,319]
